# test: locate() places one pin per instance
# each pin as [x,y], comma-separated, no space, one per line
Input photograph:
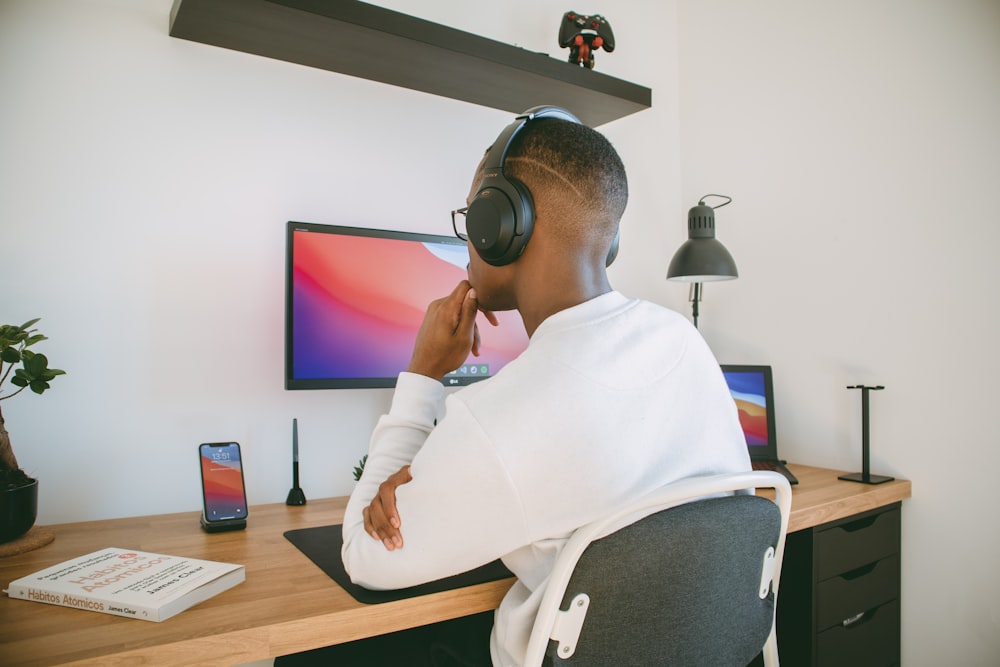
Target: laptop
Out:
[753,392]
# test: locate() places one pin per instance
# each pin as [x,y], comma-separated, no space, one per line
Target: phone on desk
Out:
[223,494]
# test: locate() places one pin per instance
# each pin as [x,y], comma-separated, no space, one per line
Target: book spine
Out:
[37,594]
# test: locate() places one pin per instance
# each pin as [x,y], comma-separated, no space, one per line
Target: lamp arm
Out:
[695,298]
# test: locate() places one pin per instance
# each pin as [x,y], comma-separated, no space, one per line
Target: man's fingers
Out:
[491,317]
[466,329]
[476,340]
[381,519]
[369,526]
[387,501]
[381,528]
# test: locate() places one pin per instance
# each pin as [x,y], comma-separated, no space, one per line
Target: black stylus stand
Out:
[865,476]
[296,496]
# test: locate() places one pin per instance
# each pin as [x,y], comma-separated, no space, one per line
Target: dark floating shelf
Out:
[379,44]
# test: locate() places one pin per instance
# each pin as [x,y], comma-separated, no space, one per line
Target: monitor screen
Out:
[753,392]
[355,299]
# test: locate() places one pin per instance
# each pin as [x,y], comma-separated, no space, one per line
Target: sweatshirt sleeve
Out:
[459,511]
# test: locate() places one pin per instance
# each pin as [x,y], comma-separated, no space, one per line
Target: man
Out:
[613,398]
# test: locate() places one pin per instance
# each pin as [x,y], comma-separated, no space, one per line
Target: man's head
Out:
[576,179]
[536,155]
[578,188]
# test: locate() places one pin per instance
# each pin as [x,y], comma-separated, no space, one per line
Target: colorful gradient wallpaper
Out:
[749,393]
[358,302]
[222,479]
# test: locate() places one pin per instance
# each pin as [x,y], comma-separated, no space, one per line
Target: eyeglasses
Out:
[458,223]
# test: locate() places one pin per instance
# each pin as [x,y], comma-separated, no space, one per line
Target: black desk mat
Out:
[322,545]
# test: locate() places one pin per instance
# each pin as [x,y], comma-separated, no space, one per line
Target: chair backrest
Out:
[693,582]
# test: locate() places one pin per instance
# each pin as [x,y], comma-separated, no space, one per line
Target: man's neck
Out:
[561,292]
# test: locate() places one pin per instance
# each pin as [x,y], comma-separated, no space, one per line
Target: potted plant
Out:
[24,369]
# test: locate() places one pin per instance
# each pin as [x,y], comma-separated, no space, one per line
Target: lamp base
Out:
[866,479]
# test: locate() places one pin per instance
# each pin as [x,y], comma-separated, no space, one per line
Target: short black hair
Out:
[551,156]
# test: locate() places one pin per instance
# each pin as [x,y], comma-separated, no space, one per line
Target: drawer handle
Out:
[859,571]
[860,524]
[848,622]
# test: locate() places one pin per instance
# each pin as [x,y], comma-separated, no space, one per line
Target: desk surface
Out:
[286,604]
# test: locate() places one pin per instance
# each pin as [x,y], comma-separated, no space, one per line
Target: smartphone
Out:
[223,494]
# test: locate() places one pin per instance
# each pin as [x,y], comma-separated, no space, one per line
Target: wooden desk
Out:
[287,604]
[820,497]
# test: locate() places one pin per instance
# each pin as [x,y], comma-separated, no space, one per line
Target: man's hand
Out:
[448,333]
[381,518]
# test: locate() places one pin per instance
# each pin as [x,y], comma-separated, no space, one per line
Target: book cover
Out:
[125,582]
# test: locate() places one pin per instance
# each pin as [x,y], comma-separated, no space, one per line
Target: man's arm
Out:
[459,511]
[446,337]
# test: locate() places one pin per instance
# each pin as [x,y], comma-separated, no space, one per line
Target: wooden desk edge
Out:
[819,498]
[260,643]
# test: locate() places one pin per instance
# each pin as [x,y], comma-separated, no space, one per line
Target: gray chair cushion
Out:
[679,587]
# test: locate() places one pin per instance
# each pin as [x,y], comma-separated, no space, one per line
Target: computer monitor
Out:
[355,299]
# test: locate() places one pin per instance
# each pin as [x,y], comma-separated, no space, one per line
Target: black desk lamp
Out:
[702,258]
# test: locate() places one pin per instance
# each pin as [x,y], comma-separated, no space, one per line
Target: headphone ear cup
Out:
[489,223]
[502,214]
[499,222]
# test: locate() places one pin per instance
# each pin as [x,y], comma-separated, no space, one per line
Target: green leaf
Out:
[34,371]
[12,337]
[360,468]
[37,338]
[35,364]
[7,335]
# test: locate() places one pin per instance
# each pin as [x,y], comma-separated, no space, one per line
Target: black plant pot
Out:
[18,509]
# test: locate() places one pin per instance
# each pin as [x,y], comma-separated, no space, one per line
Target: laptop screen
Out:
[753,392]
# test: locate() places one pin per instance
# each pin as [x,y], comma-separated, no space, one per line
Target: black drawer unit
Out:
[838,603]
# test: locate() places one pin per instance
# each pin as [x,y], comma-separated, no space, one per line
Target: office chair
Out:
[694,582]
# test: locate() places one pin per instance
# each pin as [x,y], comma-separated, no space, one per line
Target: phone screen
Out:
[222,481]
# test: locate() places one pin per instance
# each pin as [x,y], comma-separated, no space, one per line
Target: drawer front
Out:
[870,641]
[846,595]
[850,545]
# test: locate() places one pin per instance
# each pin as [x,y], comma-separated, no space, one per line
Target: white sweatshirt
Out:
[612,399]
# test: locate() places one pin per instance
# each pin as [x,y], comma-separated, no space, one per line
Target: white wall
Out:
[859,143]
[144,186]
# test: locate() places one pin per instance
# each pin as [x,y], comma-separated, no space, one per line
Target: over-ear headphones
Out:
[501,216]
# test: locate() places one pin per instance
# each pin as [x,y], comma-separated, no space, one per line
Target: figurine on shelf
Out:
[583,35]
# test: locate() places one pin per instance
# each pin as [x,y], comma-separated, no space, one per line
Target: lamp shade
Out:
[702,258]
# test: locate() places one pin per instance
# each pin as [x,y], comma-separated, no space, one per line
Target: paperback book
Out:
[124,582]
